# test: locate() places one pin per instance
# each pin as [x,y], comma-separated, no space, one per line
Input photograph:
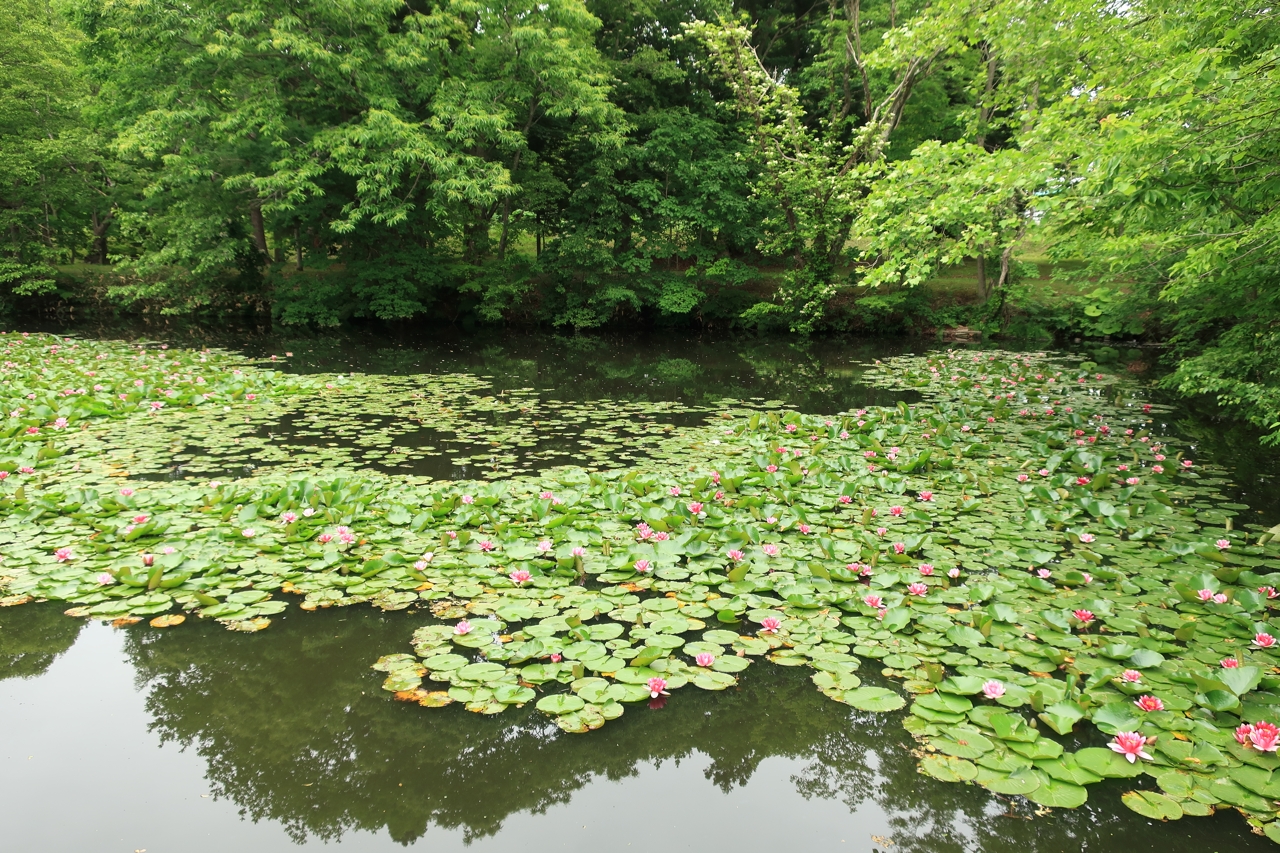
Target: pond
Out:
[194,737]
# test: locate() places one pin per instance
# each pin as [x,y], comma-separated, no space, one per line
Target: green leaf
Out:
[874,699]
[560,703]
[1149,804]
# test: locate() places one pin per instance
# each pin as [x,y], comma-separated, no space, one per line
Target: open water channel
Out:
[198,739]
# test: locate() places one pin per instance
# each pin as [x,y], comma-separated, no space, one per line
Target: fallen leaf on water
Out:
[410,695]
[168,620]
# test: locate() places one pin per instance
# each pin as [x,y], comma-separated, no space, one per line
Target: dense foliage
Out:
[571,163]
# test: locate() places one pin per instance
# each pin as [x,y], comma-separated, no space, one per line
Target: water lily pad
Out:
[560,703]
[1152,805]
[874,699]
[948,769]
[1062,795]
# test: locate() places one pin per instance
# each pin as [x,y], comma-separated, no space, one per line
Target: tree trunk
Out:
[99,226]
[506,202]
[259,230]
[297,245]
[982,278]
[506,223]
[987,108]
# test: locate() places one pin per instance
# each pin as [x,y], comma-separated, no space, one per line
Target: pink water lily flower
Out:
[578,551]
[1263,640]
[771,468]
[519,576]
[736,555]
[421,565]
[468,499]
[248,533]
[993,689]
[324,538]
[1268,591]
[288,518]
[1022,478]
[770,550]
[1230,663]
[1087,538]
[926,569]
[1043,574]
[953,573]
[462,628]
[918,589]
[1149,703]
[544,546]
[873,601]
[1205,594]
[1158,469]
[1265,737]
[140,519]
[642,566]
[1223,544]
[104,578]
[899,548]
[486,545]
[926,496]
[695,507]
[1132,676]
[846,499]
[895,511]
[675,491]
[705,659]
[62,555]
[1242,733]
[657,686]
[1132,481]
[770,625]
[881,531]
[546,496]
[1131,745]
[556,657]
[1084,616]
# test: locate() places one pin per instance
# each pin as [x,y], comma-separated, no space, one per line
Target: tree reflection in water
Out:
[296,730]
[32,636]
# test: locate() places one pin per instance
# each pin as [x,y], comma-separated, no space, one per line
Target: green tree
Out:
[357,130]
[41,195]
[818,162]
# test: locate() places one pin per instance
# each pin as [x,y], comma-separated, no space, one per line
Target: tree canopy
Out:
[578,163]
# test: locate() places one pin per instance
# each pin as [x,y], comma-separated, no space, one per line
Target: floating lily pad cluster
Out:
[448,426]
[1058,594]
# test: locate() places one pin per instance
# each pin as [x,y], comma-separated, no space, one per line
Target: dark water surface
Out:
[198,739]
